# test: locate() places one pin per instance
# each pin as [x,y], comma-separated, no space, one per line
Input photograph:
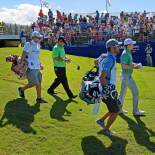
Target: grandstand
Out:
[90,30]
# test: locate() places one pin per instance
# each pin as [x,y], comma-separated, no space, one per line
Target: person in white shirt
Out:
[137,29]
[148,51]
[31,53]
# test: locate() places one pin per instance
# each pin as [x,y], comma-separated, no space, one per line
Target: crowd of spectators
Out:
[99,27]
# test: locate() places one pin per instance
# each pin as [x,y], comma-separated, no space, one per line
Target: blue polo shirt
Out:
[108,65]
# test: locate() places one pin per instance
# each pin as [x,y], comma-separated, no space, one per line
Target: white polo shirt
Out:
[33,50]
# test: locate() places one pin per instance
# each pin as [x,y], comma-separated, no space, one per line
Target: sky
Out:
[25,11]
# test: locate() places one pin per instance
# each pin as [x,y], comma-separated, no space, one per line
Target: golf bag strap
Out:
[112,59]
[102,57]
[112,64]
[111,67]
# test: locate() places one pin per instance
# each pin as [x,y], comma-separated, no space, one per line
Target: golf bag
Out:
[17,67]
[89,91]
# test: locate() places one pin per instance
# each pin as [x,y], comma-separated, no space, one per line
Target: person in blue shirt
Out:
[107,77]
[22,38]
[97,16]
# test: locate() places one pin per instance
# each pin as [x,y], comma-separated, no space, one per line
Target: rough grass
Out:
[62,127]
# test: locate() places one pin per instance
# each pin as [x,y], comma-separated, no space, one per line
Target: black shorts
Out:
[112,105]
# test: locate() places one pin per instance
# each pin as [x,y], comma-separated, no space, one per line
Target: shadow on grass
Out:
[141,132]
[91,145]
[20,114]
[59,108]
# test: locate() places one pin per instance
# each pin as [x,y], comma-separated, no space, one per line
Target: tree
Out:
[10,30]
[16,29]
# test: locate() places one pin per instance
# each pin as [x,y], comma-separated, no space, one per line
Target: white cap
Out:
[129,41]
[36,34]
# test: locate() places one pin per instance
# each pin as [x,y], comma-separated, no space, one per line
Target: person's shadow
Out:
[59,108]
[20,114]
[141,132]
[91,145]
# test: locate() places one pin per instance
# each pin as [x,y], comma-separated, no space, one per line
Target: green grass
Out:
[62,127]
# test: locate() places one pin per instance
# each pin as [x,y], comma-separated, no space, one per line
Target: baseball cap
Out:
[129,41]
[112,43]
[36,34]
[62,38]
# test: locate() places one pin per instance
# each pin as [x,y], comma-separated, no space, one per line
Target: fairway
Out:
[64,127]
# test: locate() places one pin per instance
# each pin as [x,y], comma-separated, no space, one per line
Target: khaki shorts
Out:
[34,76]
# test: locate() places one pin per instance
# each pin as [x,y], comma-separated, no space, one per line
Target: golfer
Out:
[107,76]
[31,53]
[60,61]
[126,76]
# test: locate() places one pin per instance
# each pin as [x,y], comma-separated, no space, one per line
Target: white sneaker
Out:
[122,111]
[139,113]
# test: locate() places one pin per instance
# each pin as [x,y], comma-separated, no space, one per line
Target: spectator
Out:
[148,51]
[41,13]
[134,25]
[97,16]
[76,17]
[22,38]
[50,14]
